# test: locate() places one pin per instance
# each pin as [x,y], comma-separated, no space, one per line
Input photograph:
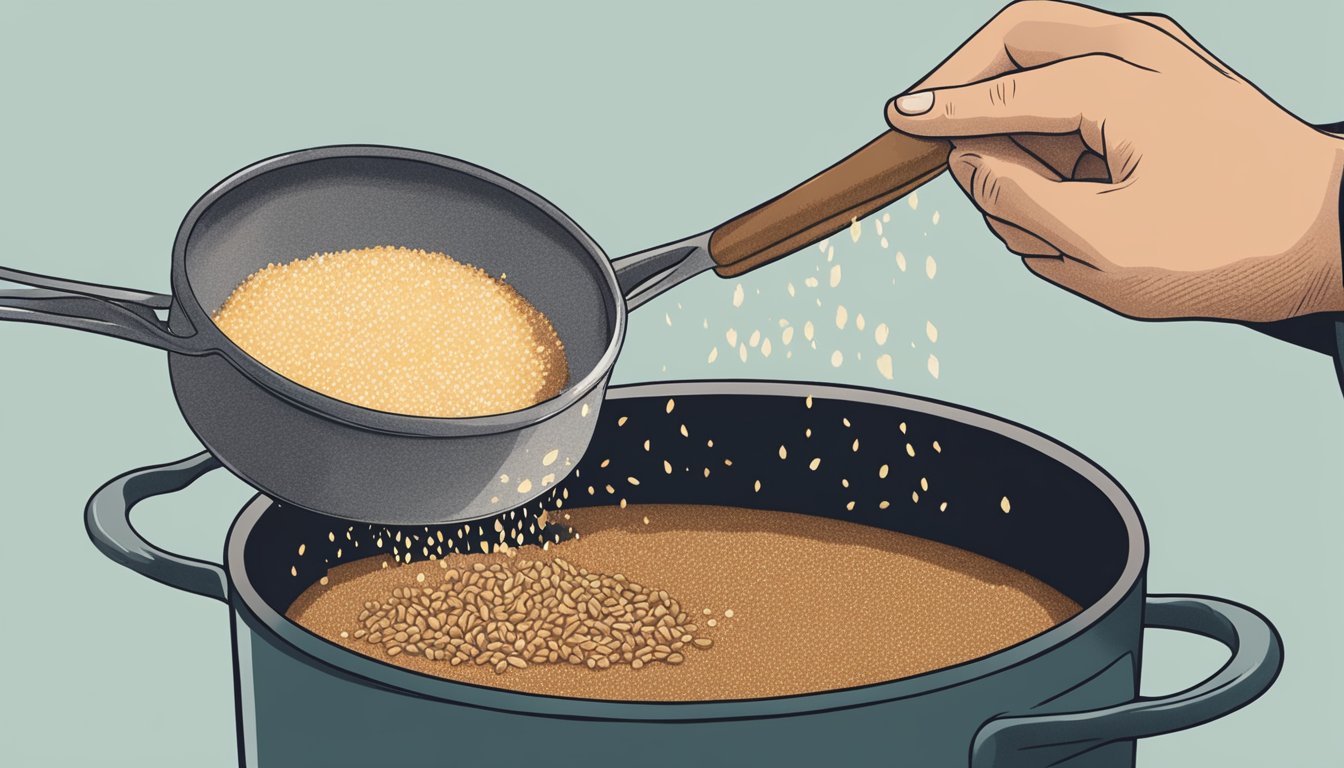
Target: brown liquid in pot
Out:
[815,604]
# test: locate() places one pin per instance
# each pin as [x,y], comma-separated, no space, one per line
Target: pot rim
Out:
[367,418]
[310,648]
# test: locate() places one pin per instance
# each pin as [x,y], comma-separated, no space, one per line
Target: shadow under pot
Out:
[1065,697]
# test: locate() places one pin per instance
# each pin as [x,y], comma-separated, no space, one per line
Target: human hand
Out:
[1125,163]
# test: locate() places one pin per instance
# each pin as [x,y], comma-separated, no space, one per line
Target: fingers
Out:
[1060,153]
[1010,186]
[1016,239]
[1030,34]
[1058,98]
[1091,167]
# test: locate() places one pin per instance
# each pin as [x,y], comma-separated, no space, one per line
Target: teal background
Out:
[645,123]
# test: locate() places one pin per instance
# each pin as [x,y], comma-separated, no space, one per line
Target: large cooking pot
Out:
[1066,697]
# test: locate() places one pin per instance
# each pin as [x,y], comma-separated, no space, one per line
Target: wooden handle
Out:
[881,172]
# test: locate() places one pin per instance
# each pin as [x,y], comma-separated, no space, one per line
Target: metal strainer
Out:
[313,451]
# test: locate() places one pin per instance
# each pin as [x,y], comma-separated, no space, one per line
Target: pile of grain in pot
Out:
[399,330]
[522,612]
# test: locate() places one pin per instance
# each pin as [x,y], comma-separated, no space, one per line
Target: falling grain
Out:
[884,366]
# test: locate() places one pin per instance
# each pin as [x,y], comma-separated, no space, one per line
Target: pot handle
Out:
[107,517]
[1257,655]
[118,312]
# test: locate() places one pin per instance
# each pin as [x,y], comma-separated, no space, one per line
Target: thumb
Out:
[1058,98]
[1012,188]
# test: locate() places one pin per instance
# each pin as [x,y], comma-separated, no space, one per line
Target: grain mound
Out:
[399,330]
[513,614]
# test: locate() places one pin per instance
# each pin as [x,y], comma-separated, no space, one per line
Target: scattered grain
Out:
[884,366]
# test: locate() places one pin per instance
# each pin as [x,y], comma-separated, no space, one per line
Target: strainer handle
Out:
[881,172]
[107,517]
[122,313]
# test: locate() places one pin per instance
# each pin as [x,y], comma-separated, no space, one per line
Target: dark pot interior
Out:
[1064,528]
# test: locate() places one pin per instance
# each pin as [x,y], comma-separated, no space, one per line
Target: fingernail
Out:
[915,103]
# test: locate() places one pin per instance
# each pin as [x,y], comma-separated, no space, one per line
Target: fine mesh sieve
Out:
[313,451]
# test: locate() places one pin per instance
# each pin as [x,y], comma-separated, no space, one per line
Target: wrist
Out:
[1323,245]
[1333,240]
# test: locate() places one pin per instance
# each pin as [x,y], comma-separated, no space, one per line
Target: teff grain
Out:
[755,591]
[399,330]
[516,612]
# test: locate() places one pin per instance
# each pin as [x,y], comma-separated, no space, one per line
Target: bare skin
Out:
[1124,162]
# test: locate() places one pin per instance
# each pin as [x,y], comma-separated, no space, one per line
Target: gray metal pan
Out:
[302,447]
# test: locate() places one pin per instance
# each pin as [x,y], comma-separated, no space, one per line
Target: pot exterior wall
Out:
[295,711]
[310,461]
